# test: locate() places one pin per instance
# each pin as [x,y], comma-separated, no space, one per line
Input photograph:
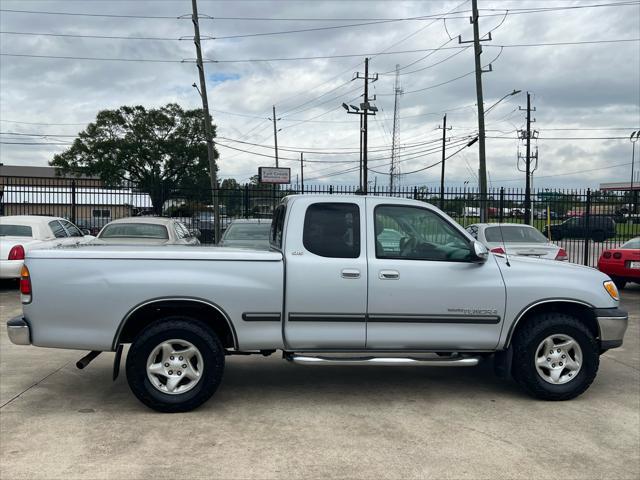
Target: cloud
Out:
[579,91]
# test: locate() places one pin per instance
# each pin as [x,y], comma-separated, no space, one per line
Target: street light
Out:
[515,92]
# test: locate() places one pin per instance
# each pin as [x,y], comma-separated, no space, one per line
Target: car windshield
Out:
[248,231]
[633,243]
[15,231]
[510,234]
[134,230]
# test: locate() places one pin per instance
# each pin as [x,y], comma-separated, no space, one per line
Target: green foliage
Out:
[158,149]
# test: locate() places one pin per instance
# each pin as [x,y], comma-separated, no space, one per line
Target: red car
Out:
[622,264]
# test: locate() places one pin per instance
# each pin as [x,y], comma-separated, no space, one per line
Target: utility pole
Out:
[444,142]
[275,134]
[302,171]
[208,130]
[395,141]
[364,111]
[477,49]
[527,135]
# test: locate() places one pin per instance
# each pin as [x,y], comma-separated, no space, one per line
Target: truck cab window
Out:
[414,233]
[332,230]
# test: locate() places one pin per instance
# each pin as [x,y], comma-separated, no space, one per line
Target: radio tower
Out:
[394,169]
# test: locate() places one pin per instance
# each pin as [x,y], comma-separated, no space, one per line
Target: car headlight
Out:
[611,289]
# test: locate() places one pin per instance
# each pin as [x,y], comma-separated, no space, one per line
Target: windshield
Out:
[134,230]
[248,231]
[15,231]
[511,234]
[633,243]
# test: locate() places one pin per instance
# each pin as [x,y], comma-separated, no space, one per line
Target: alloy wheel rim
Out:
[175,366]
[558,359]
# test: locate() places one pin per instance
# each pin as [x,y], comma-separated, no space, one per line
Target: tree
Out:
[159,150]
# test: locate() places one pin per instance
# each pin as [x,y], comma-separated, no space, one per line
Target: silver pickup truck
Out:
[349,280]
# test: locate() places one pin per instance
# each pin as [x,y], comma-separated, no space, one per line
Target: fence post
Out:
[415,193]
[587,236]
[330,189]
[501,214]
[73,201]
[246,200]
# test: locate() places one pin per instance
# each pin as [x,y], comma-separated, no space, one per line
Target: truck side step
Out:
[452,361]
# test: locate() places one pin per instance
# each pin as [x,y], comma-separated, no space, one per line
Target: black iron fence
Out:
[583,222]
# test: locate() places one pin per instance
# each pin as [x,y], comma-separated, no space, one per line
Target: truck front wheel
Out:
[175,365]
[555,357]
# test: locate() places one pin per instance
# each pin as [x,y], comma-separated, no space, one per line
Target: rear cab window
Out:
[277,226]
[332,230]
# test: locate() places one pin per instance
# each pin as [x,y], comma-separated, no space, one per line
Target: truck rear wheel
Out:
[175,365]
[555,357]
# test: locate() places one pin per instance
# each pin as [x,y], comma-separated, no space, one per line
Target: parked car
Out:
[596,227]
[516,239]
[247,233]
[323,287]
[622,264]
[21,233]
[146,231]
[92,225]
[541,214]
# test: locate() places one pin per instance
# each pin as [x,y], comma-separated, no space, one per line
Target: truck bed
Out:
[97,287]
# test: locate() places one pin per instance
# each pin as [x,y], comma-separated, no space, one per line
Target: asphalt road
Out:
[271,419]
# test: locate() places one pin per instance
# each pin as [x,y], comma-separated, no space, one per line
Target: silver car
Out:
[516,239]
[247,233]
[146,231]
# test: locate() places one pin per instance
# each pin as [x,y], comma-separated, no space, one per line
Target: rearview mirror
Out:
[480,252]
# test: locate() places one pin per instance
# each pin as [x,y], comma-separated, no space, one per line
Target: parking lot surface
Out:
[271,419]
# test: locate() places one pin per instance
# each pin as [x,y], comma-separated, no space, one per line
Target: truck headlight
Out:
[611,289]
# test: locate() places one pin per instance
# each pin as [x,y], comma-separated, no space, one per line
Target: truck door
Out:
[326,274]
[425,292]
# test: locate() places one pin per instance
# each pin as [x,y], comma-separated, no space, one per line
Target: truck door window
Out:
[414,233]
[332,230]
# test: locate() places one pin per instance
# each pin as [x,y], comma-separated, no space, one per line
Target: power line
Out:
[101,37]
[516,11]
[319,57]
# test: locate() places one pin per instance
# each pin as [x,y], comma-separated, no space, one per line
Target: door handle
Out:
[388,275]
[350,273]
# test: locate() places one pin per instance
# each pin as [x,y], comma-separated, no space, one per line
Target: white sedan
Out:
[21,233]
[516,239]
[146,231]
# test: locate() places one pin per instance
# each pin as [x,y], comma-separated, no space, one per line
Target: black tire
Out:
[183,328]
[620,283]
[528,338]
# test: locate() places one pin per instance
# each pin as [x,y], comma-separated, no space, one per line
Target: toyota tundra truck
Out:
[348,280]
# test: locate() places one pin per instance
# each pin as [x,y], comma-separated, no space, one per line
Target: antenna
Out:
[504,246]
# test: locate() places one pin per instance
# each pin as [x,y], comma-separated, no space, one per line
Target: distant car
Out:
[622,264]
[516,239]
[146,231]
[92,225]
[596,227]
[247,233]
[541,214]
[21,233]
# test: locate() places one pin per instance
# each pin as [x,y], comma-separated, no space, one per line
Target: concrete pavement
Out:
[271,419]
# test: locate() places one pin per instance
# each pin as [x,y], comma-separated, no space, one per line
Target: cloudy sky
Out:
[586,95]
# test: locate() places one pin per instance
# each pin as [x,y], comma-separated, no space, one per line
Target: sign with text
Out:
[274,175]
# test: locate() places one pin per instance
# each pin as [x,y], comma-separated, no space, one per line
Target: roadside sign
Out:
[274,175]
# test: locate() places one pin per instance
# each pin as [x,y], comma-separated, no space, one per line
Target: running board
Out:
[391,361]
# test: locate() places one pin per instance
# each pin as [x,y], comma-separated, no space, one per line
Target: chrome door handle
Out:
[350,273]
[389,275]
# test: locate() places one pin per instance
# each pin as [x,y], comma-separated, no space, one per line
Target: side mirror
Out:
[480,252]
[86,231]
[194,232]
